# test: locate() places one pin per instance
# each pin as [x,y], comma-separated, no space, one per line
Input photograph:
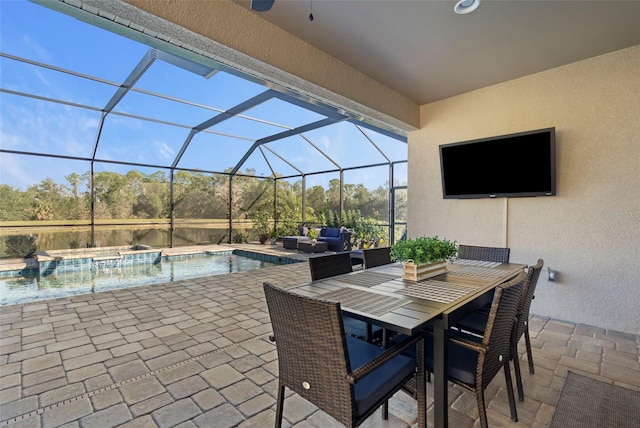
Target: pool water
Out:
[105,277]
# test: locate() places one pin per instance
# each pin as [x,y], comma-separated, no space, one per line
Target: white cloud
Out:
[165,150]
[40,52]
[14,172]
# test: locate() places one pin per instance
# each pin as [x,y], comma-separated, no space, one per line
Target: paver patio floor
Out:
[195,353]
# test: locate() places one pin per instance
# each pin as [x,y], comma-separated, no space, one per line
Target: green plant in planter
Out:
[260,220]
[426,249]
[365,232]
[312,234]
[273,236]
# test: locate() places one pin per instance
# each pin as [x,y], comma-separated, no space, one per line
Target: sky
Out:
[151,123]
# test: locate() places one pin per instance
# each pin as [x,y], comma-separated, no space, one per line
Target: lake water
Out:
[113,236]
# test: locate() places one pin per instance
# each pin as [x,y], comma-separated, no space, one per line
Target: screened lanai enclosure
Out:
[110,138]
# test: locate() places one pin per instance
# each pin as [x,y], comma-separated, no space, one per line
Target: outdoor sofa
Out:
[337,238]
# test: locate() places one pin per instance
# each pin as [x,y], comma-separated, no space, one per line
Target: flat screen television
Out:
[514,165]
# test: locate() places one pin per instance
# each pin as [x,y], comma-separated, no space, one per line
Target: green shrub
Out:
[239,238]
[261,220]
[21,245]
[365,232]
[289,222]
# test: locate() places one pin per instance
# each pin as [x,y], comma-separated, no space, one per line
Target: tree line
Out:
[196,195]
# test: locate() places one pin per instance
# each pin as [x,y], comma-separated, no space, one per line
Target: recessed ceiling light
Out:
[466,6]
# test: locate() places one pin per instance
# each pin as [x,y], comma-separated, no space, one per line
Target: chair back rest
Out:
[530,283]
[330,265]
[497,334]
[312,351]
[376,256]
[487,254]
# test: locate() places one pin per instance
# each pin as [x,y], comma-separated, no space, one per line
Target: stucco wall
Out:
[590,231]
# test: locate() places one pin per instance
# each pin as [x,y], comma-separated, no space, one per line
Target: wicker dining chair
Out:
[337,264]
[487,254]
[477,321]
[345,377]
[473,365]
[330,265]
[525,308]
[376,256]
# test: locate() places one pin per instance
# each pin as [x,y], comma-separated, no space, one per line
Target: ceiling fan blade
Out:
[261,5]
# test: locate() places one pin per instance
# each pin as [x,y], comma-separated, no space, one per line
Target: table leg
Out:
[421,385]
[440,369]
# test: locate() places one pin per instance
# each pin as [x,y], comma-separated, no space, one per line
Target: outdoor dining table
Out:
[380,296]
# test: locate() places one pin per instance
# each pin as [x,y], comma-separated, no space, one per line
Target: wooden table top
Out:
[380,295]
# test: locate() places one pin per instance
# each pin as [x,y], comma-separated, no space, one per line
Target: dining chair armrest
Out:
[381,359]
[469,344]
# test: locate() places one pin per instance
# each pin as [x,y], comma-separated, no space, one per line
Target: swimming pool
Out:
[110,276]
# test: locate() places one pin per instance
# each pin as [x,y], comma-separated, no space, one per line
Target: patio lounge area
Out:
[173,123]
[196,353]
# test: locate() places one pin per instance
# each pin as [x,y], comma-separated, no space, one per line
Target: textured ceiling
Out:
[423,50]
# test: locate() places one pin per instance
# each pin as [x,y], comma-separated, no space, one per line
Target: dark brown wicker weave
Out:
[315,359]
[493,352]
[330,265]
[487,254]
[376,256]
[477,321]
[522,322]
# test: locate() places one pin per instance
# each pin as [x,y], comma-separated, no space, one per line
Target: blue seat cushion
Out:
[372,388]
[462,361]
[330,232]
[358,328]
[475,322]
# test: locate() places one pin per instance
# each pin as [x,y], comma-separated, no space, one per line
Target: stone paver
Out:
[110,417]
[141,422]
[151,404]
[128,370]
[187,387]
[240,392]
[195,353]
[61,394]
[70,412]
[142,389]
[106,399]
[225,416]
[222,376]
[208,399]
[176,413]
[18,407]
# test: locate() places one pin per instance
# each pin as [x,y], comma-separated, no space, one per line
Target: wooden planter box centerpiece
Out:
[423,257]
[419,272]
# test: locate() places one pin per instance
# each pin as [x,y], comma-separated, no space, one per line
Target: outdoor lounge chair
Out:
[338,239]
[346,377]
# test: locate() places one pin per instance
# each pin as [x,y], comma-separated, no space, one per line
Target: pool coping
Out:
[16,267]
